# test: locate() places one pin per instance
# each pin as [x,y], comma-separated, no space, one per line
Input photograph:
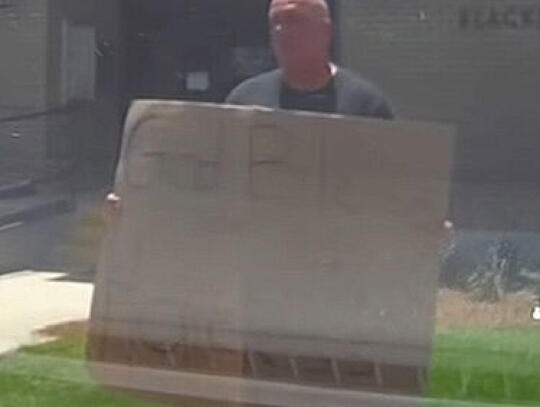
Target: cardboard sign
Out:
[274,245]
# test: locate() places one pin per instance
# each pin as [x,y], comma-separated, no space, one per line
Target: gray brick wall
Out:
[483,77]
[23,44]
[486,81]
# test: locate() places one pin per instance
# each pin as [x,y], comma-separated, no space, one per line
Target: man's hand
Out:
[112,208]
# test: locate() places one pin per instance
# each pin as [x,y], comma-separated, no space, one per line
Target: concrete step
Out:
[17,189]
[28,245]
[51,231]
[33,208]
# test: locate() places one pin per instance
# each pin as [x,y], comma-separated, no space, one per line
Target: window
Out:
[343,215]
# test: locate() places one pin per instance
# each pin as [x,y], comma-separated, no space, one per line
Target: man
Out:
[301,33]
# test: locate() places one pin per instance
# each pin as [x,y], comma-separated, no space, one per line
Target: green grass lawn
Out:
[497,366]
[25,381]
[494,366]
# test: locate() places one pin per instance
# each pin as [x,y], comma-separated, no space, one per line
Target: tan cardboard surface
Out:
[290,233]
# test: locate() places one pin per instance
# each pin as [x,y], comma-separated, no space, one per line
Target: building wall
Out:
[30,81]
[90,133]
[23,84]
[471,63]
[482,78]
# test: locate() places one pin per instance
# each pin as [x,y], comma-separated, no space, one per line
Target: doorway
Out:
[193,49]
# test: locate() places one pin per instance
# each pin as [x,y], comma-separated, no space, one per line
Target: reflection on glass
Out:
[70,72]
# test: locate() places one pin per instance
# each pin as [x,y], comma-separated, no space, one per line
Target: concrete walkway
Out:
[30,301]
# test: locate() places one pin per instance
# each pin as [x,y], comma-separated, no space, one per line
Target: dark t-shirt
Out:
[345,94]
[322,100]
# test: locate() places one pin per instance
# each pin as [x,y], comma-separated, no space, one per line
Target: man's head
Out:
[301,32]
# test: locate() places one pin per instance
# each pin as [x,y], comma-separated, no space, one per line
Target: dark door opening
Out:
[193,49]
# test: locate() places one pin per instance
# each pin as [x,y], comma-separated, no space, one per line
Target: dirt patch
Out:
[457,310]
[65,330]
